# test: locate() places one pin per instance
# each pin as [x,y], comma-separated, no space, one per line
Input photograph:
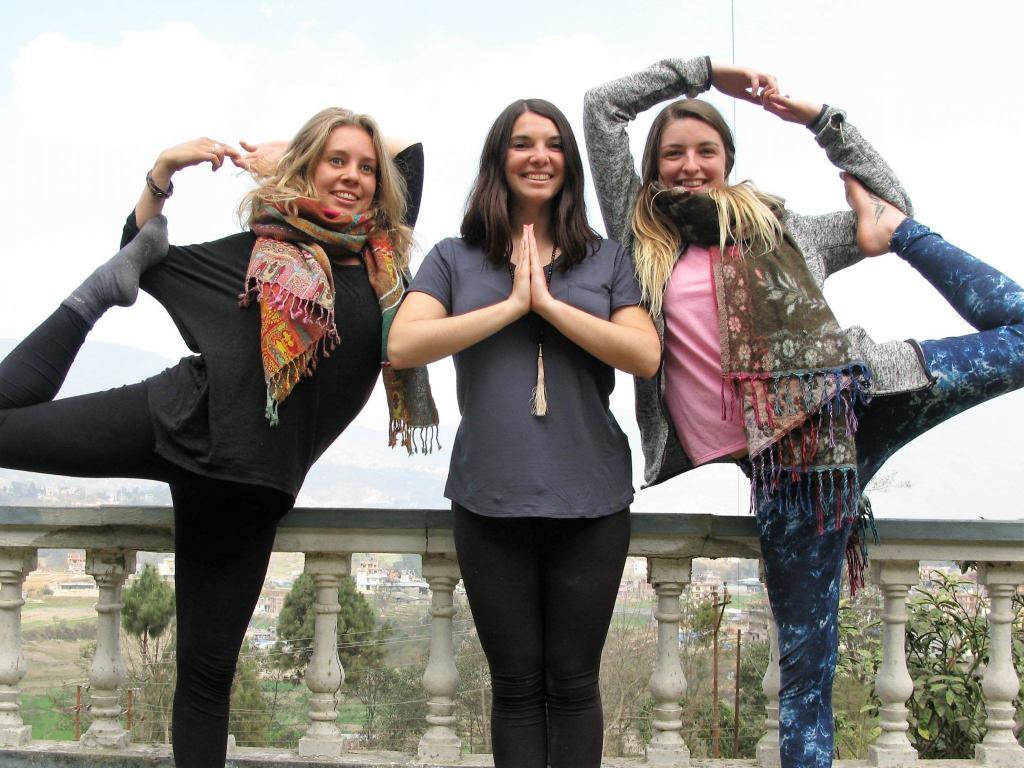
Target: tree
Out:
[625,678]
[148,607]
[947,645]
[360,641]
[147,614]
[473,697]
[250,717]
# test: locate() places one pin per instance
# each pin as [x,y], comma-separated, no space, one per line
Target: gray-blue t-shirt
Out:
[506,462]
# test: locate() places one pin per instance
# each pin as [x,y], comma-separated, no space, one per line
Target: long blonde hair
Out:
[293,177]
[746,215]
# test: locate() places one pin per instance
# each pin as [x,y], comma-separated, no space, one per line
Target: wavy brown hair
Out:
[486,224]
[293,177]
[746,215]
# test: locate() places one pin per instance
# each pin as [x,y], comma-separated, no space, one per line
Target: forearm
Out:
[151,204]
[849,151]
[628,342]
[415,341]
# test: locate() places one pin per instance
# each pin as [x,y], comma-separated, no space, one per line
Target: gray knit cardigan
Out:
[827,241]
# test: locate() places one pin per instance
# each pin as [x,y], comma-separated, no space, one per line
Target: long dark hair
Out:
[486,224]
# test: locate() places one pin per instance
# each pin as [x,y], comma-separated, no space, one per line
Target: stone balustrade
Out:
[112,535]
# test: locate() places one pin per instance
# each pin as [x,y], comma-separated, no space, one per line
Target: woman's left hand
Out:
[790,110]
[262,158]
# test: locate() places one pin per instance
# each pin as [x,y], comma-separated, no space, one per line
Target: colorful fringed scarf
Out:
[787,363]
[290,275]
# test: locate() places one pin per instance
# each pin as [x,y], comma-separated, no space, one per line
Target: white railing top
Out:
[322,529]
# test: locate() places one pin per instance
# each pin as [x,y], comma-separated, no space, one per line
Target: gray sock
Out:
[117,281]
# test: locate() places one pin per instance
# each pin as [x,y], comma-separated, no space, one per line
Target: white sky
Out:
[91,92]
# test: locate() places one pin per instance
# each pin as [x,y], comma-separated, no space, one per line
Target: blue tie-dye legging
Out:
[803,569]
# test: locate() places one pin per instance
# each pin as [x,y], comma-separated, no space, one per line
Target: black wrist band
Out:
[812,125]
[163,194]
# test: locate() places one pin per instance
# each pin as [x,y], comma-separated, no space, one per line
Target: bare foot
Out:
[876,219]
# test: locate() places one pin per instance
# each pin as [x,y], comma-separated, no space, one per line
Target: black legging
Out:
[542,591]
[223,531]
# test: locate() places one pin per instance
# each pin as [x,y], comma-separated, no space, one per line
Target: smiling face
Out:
[534,163]
[345,176]
[691,155]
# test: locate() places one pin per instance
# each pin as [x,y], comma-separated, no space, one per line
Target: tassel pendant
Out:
[539,401]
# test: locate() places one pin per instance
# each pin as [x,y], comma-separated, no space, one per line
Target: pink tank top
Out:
[693,362]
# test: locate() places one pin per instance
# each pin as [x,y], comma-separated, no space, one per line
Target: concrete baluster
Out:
[893,683]
[107,674]
[1000,684]
[324,675]
[441,679]
[668,683]
[15,563]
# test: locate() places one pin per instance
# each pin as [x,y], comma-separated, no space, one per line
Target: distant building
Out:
[706,587]
[76,589]
[750,586]
[166,568]
[76,561]
[271,601]
[369,576]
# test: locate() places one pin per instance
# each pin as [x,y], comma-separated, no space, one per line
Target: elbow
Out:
[650,362]
[594,101]
[399,355]
[648,369]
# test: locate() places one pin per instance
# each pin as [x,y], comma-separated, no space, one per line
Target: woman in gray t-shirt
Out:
[537,311]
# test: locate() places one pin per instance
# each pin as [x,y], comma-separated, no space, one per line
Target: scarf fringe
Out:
[415,439]
[771,395]
[307,310]
[832,494]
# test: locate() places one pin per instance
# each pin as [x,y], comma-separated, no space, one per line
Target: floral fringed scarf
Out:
[290,276]
[787,363]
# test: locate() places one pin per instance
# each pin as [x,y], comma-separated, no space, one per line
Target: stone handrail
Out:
[328,537]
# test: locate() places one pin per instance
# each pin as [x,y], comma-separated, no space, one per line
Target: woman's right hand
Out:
[172,160]
[519,298]
[741,82]
[195,152]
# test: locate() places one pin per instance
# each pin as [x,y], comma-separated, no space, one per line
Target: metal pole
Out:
[715,751]
[736,701]
[715,729]
[78,712]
